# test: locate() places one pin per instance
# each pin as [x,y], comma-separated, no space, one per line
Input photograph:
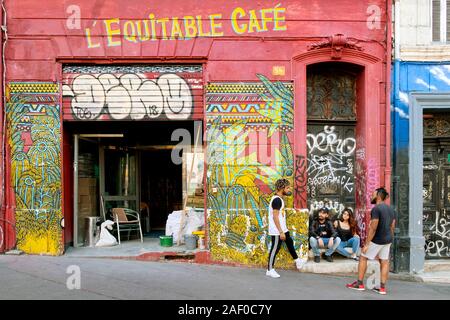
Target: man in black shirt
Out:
[378,242]
[322,234]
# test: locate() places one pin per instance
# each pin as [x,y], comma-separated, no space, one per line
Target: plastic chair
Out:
[122,219]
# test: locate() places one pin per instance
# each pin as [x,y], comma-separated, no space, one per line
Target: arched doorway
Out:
[332,113]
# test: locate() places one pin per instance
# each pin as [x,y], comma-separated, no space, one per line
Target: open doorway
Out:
[128,164]
[161,187]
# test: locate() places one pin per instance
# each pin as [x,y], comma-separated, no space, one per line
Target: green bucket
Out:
[166,241]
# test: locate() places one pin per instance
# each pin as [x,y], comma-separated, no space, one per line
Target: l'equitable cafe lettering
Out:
[188,27]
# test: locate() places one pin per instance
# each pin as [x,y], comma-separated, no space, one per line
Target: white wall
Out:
[414,34]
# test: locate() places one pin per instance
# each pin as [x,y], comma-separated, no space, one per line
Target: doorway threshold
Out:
[149,250]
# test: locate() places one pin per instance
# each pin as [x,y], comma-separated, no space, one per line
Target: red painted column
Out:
[2,143]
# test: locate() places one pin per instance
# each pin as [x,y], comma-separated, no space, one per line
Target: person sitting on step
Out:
[322,234]
[347,230]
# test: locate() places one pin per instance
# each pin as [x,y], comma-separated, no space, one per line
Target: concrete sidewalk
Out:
[43,277]
[436,271]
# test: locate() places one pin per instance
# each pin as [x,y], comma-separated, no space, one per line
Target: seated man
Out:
[323,234]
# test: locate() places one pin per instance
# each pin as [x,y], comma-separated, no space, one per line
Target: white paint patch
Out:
[426,85]
[440,74]
[400,112]
[403,97]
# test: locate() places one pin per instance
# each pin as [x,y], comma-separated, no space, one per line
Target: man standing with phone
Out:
[277,227]
[378,242]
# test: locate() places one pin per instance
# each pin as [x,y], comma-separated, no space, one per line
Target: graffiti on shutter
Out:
[133,92]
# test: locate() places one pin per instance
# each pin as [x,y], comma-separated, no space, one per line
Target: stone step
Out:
[322,251]
[338,266]
[435,277]
[437,265]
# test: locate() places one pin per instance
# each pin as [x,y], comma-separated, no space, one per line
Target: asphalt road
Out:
[43,277]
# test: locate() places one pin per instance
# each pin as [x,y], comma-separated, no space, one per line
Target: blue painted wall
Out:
[414,77]
[408,77]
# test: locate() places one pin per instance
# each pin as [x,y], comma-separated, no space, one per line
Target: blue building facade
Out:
[421,162]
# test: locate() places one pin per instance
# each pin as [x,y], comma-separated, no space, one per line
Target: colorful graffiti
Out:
[244,122]
[33,116]
[130,93]
[300,182]
[367,180]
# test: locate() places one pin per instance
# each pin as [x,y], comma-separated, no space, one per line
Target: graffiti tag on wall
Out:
[33,116]
[130,96]
[367,180]
[330,166]
[437,243]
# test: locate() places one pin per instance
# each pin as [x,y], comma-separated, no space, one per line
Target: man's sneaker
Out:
[380,290]
[299,263]
[316,259]
[356,286]
[272,273]
[329,258]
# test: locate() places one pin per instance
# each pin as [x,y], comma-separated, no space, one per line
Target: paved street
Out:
[44,277]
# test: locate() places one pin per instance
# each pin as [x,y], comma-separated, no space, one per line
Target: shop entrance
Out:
[126,165]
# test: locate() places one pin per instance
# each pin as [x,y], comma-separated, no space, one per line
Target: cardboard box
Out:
[87,186]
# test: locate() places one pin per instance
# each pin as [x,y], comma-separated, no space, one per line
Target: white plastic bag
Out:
[195,221]
[173,225]
[106,238]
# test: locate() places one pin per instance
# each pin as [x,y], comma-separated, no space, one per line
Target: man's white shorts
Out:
[380,250]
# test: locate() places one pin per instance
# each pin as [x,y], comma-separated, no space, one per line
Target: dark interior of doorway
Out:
[161,184]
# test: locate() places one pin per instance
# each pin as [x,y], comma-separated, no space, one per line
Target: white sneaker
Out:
[272,273]
[300,263]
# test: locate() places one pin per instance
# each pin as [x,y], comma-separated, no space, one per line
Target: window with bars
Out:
[441,20]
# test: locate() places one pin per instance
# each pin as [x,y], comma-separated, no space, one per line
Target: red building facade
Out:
[297,89]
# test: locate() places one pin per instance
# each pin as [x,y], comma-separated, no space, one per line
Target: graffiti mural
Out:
[250,134]
[367,180]
[436,186]
[330,170]
[133,93]
[437,236]
[300,182]
[33,116]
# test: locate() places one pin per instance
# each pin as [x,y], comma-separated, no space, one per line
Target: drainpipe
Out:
[396,96]
[396,51]
[387,177]
[2,113]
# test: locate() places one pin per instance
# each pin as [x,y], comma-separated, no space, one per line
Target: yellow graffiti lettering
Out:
[190,27]
[151,16]
[176,30]
[215,26]
[253,23]
[278,18]
[110,32]
[88,36]
[163,27]
[200,28]
[146,32]
[265,18]
[129,31]
[239,29]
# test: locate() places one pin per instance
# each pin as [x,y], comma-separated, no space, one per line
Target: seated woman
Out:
[347,231]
